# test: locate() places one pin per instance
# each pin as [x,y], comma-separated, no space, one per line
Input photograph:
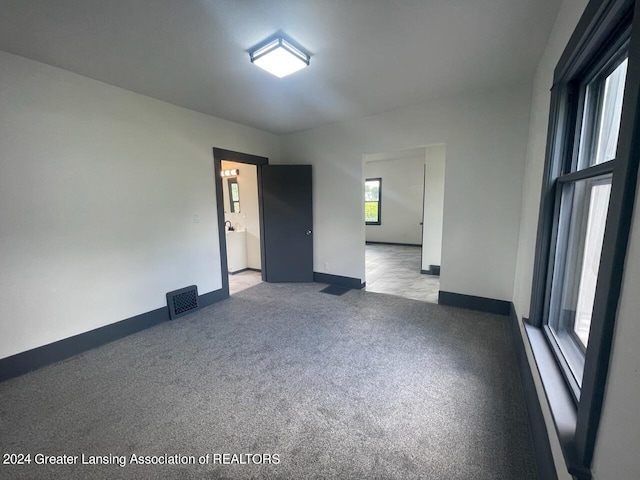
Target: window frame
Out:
[379,180]
[570,173]
[604,30]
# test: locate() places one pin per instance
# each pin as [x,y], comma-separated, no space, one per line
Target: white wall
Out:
[566,21]
[248,218]
[619,432]
[433,206]
[485,134]
[98,191]
[401,207]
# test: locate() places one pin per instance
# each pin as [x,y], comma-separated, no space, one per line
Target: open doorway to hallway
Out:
[242,224]
[404,205]
[395,269]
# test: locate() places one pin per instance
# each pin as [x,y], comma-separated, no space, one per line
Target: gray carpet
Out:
[362,385]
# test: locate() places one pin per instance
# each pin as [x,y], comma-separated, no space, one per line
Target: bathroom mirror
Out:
[234,195]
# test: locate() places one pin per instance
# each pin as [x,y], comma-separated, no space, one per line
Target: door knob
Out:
[308,232]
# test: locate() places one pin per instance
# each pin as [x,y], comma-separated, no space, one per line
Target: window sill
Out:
[559,399]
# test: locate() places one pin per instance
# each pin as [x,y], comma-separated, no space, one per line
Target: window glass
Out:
[601,122]
[372,200]
[583,215]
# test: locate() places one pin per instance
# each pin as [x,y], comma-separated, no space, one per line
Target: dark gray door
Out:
[287,222]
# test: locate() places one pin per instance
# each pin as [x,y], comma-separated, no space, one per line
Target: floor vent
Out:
[183,301]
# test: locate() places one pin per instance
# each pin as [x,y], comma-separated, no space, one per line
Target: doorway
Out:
[242,224]
[404,204]
[264,220]
[237,214]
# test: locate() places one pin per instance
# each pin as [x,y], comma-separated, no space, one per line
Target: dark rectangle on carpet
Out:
[335,290]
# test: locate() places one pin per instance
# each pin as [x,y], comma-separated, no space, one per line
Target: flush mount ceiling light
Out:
[279,58]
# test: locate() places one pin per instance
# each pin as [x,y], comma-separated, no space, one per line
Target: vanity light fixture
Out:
[234,172]
[279,58]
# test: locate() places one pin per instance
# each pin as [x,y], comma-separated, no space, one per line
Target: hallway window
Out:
[372,196]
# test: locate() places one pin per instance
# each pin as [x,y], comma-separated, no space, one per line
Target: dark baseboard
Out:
[545,467]
[471,302]
[39,357]
[394,243]
[245,270]
[338,280]
[210,298]
[433,270]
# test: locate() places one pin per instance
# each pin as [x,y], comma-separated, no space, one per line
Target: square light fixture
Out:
[279,58]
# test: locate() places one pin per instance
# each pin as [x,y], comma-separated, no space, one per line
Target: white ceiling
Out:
[367,56]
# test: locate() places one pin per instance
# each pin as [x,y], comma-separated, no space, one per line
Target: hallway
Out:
[395,270]
[243,280]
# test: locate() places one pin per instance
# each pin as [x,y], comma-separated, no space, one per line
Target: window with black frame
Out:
[372,201]
[582,200]
[586,210]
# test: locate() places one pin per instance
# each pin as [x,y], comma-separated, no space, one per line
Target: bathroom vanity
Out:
[236,250]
